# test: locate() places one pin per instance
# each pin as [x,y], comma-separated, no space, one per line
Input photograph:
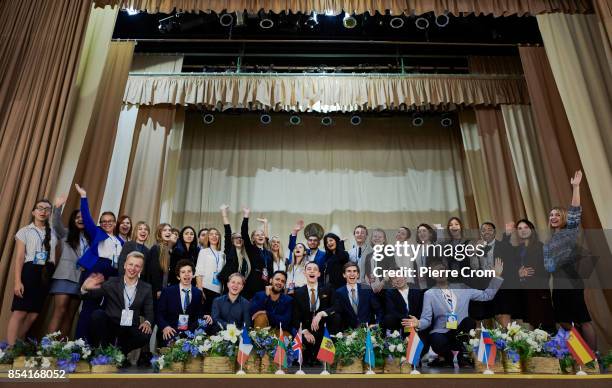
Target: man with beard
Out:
[313,308]
[272,307]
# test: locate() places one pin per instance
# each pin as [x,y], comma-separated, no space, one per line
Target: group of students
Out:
[188,280]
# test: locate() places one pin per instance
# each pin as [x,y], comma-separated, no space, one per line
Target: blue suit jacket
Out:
[97,235]
[368,311]
[169,307]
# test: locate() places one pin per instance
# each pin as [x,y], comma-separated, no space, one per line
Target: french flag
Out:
[244,347]
[414,348]
[486,348]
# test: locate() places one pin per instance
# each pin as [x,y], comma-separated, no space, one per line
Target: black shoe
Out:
[125,364]
[144,361]
[439,363]
[465,362]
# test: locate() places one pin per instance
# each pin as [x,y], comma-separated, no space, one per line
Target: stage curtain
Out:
[507,203]
[494,65]
[383,173]
[39,52]
[171,170]
[603,9]
[584,78]
[93,57]
[95,158]
[324,94]
[456,7]
[523,143]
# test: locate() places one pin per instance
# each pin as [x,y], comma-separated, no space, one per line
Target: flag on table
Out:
[280,355]
[297,346]
[244,347]
[487,350]
[369,357]
[327,350]
[414,348]
[579,349]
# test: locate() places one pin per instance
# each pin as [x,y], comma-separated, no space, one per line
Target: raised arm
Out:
[90,224]
[494,284]
[227,242]
[56,218]
[266,229]
[575,181]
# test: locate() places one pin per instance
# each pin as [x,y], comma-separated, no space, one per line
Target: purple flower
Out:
[3,345]
[514,356]
[500,344]
[66,365]
[45,342]
[101,360]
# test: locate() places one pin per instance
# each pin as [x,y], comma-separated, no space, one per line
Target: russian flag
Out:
[414,348]
[245,347]
[486,348]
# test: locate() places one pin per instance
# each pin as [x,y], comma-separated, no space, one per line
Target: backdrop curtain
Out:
[507,202]
[396,7]
[479,64]
[584,78]
[91,64]
[383,173]
[40,45]
[523,143]
[603,8]
[95,156]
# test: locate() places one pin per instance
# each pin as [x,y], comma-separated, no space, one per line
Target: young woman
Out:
[379,237]
[136,243]
[454,228]
[279,261]
[236,256]
[296,271]
[203,238]
[335,258]
[210,262]
[259,256]
[123,230]
[65,285]
[158,270]
[405,261]
[186,249]
[560,261]
[426,236]
[35,261]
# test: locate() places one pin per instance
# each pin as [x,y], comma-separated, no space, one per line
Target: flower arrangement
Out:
[557,347]
[71,353]
[107,355]
[223,344]
[350,345]
[393,346]
[23,353]
[6,355]
[263,340]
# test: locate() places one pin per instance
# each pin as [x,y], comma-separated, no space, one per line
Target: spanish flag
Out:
[327,349]
[579,349]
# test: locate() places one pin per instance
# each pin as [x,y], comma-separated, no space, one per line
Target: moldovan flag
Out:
[414,348]
[245,347]
[280,356]
[327,349]
[579,349]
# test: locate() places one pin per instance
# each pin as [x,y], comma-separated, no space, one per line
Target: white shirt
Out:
[33,238]
[182,293]
[316,292]
[296,275]
[129,294]
[350,294]
[404,294]
[110,249]
[210,262]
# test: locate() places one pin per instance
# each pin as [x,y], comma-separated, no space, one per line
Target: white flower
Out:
[161,362]
[400,347]
[395,334]
[1,354]
[392,348]
[231,333]
[373,340]
[339,335]
[86,352]
[207,345]
[474,342]
[30,362]
[472,333]
[80,342]
[45,362]
[215,338]
[201,349]
[199,338]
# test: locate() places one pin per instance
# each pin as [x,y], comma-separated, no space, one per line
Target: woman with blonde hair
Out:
[137,243]
[157,270]
[296,271]
[279,261]
[210,263]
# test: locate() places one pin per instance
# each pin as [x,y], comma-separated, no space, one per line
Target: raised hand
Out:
[575,181]
[263,220]
[246,211]
[498,267]
[94,281]
[299,225]
[526,271]
[80,190]
[510,226]
[60,201]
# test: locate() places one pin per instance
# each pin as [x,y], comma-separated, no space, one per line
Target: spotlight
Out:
[265,23]
[265,119]
[422,23]
[349,21]
[327,121]
[442,20]
[226,20]
[396,22]
[311,22]
[446,120]
[355,120]
[132,11]
[209,118]
[417,120]
[239,19]
[295,120]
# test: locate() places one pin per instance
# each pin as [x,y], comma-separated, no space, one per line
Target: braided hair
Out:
[47,240]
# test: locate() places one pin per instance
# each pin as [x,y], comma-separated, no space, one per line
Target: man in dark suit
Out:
[356,303]
[126,299]
[401,302]
[312,309]
[180,306]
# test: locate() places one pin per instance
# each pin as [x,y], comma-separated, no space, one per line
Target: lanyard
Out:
[451,299]
[41,238]
[127,295]
[216,259]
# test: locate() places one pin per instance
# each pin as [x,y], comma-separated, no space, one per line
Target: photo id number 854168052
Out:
[36,374]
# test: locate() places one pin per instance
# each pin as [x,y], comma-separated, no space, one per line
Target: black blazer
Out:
[169,307]
[112,291]
[368,311]
[260,259]
[154,274]
[334,263]
[395,307]
[301,305]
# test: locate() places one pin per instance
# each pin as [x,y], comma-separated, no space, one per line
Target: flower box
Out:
[104,369]
[395,366]
[177,367]
[542,365]
[82,367]
[194,365]
[510,365]
[356,367]
[218,364]
[5,367]
[480,367]
[267,366]
[253,365]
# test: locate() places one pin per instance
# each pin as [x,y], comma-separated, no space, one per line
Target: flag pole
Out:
[300,371]
[486,371]
[414,370]
[370,371]
[280,370]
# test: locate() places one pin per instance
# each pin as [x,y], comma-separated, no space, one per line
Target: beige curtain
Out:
[91,65]
[575,51]
[171,171]
[456,7]
[40,45]
[382,173]
[324,94]
[494,65]
[507,203]
[474,155]
[603,8]
[95,157]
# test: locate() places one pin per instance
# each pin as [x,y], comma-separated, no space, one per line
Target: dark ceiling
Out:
[296,44]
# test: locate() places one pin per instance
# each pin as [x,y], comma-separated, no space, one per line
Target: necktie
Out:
[354,300]
[186,301]
[359,253]
[313,301]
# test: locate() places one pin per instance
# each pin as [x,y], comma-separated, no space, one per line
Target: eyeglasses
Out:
[107,222]
[43,209]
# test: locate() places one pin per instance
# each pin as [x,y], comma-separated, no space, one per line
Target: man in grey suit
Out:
[126,299]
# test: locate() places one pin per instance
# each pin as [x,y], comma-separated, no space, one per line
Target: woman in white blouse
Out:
[210,263]
[296,272]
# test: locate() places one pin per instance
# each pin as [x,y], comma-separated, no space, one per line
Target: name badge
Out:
[291,287]
[215,280]
[127,316]
[407,329]
[451,321]
[40,258]
[264,275]
[183,322]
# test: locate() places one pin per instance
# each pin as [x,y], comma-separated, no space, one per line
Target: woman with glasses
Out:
[35,262]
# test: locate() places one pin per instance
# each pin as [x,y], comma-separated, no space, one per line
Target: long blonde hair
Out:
[164,251]
[210,230]
[294,262]
[563,215]
[280,256]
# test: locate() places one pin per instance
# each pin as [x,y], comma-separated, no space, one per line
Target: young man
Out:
[401,302]
[180,306]
[313,308]
[232,307]
[356,303]
[126,299]
[314,253]
[361,249]
[272,307]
